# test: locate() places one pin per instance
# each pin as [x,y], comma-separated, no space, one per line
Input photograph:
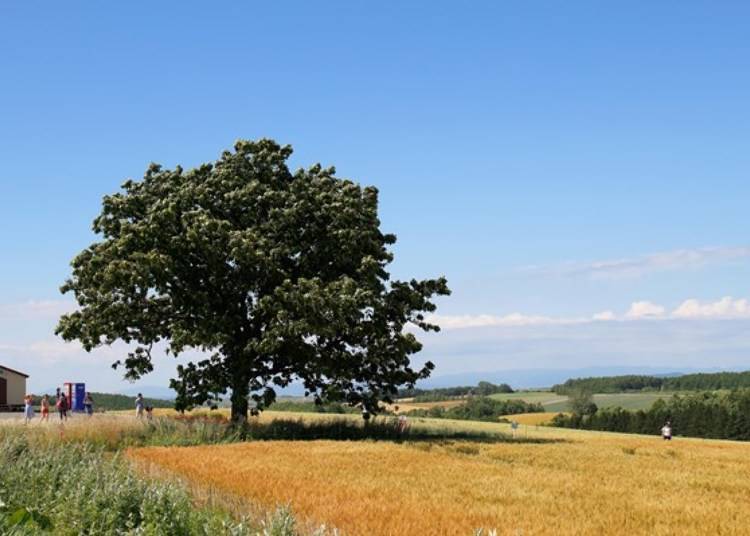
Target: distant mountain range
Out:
[540,378]
[518,379]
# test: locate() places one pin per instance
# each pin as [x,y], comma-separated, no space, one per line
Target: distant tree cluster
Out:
[610,384]
[582,403]
[706,414]
[480,408]
[312,407]
[707,382]
[448,393]
[687,382]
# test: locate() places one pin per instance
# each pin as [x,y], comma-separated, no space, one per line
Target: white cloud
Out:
[476,321]
[645,309]
[51,360]
[36,309]
[680,259]
[511,320]
[727,307]
[54,351]
[674,345]
[640,310]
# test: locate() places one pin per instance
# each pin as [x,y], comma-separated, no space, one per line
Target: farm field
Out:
[632,401]
[553,402]
[532,419]
[541,397]
[548,481]
[408,405]
[575,483]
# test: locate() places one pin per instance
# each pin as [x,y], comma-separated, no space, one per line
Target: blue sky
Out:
[555,161]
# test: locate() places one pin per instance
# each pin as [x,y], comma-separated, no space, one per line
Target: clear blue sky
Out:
[555,161]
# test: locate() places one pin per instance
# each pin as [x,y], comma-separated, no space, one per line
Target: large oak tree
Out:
[272,275]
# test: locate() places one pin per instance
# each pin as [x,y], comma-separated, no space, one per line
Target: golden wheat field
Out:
[405,406]
[587,483]
[533,419]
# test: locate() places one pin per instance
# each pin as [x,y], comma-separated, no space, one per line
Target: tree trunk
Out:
[240,391]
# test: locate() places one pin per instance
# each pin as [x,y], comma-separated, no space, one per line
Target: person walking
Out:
[666,431]
[62,407]
[139,406]
[28,409]
[88,404]
[45,408]
[514,427]
[403,424]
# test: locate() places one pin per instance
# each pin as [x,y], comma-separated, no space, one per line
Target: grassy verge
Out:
[114,433]
[584,484]
[78,489]
[554,402]
[72,479]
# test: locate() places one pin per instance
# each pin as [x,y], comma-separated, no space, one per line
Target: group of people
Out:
[141,409]
[62,405]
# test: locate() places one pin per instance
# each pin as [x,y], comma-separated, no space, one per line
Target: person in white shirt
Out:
[403,424]
[139,406]
[666,431]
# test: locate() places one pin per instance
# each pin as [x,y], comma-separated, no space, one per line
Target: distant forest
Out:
[722,415]
[479,408]
[687,382]
[446,393]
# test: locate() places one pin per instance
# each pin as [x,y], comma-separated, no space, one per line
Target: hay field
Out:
[541,397]
[589,483]
[629,401]
[553,402]
[406,406]
[531,419]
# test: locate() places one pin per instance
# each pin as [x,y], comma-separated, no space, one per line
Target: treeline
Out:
[687,382]
[609,384]
[312,407]
[705,381]
[113,402]
[479,408]
[708,414]
[447,393]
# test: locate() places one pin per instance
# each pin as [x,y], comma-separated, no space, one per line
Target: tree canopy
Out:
[272,275]
[720,415]
[483,388]
[682,382]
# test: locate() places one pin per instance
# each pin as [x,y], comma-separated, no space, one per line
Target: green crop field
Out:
[193,474]
[554,402]
[541,397]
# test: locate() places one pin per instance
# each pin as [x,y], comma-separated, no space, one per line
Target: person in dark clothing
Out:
[62,407]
